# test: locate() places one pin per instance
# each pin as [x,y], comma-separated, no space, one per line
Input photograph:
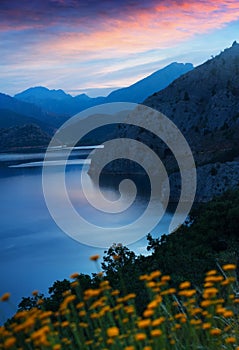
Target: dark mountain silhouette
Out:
[139,91]
[27,109]
[59,103]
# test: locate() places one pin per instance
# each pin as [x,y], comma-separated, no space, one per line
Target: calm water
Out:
[34,252]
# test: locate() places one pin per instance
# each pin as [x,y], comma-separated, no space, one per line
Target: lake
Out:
[34,251]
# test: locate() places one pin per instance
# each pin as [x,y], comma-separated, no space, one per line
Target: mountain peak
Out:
[41,92]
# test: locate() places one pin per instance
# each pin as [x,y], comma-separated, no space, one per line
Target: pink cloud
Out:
[163,26]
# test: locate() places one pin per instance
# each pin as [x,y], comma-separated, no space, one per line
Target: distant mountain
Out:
[59,103]
[20,107]
[157,81]
[23,124]
[204,104]
[15,112]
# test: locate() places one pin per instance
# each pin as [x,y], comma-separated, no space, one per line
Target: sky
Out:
[97,46]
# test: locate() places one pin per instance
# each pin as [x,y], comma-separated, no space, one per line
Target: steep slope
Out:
[204,105]
[139,91]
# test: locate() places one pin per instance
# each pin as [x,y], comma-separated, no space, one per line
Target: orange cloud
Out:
[162,27]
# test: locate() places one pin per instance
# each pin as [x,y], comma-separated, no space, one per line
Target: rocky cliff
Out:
[204,105]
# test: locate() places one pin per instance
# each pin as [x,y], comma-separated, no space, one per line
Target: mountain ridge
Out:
[57,101]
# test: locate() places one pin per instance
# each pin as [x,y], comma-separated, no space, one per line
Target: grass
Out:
[184,318]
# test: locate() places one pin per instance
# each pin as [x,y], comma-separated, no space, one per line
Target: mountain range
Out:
[48,109]
[58,102]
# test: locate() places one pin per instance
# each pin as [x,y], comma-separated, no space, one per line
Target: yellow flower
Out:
[80,305]
[155,274]
[229,267]
[185,285]
[35,293]
[94,257]
[147,348]
[195,322]
[129,296]
[151,284]
[208,284]
[187,293]
[112,332]
[148,313]
[196,311]
[230,340]
[169,291]
[9,342]
[144,323]
[213,279]
[209,292]
[129,309]
[177,326]
[228,313]
[57,347]
[129,347]
[220,310]
[206,325]
[116,257]
[206,303]
[211,272]
[74,275]
[115,292]
[5,297]
[156,333]
[158,321]
[144,278]
[165,278]
[153,304]
[215,331]
[140,336]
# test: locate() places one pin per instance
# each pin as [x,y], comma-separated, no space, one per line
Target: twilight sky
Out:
[101,45]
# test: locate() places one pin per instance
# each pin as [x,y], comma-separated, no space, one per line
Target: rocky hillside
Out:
[204,105]
[25,136]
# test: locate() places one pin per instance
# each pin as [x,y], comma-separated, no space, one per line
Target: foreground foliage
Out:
[103,318]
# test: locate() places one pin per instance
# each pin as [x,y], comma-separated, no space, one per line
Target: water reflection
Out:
[34,252]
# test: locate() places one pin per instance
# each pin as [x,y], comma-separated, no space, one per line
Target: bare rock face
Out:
[212,180]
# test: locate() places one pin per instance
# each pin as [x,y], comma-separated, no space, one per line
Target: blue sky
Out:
[97,46]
